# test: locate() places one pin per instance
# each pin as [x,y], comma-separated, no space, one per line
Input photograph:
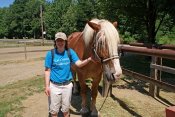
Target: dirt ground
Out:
[14,67]
[125,101]
[20,71]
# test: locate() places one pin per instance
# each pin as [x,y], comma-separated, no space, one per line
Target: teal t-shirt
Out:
[61,66]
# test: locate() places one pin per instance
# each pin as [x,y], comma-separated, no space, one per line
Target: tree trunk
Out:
[151,17]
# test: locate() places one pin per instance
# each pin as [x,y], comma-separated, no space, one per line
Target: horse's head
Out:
[105,48]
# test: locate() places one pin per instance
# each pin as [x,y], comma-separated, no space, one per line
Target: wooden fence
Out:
[5,43]
[157,53]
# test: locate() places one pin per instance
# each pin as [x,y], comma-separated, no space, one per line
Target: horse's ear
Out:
[115,24]
[94,26]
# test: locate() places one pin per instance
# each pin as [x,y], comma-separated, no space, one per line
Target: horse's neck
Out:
[88,49]
[76,42]
[73,39]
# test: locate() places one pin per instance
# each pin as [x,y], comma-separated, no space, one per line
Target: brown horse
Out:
[99,39]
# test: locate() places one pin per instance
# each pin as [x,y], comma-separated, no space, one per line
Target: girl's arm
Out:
[47,81]
[81,63]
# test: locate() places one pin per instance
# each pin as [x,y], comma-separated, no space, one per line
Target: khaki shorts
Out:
[60,96]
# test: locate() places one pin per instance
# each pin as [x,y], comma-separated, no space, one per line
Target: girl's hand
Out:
[94,59]
[47,91]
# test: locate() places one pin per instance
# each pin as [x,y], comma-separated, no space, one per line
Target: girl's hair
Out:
[66,45]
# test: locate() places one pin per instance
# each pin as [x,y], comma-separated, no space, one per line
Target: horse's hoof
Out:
[95,114]
[84,111]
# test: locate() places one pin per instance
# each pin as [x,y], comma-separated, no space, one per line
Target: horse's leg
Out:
[75,86]
[94,93]
[83,92]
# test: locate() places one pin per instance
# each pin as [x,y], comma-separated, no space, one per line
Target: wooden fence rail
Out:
[163,53]
[142,77]
[163,68]
[157,54]
[160,46]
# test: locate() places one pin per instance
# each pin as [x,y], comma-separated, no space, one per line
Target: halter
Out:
[98,57]
[106,59]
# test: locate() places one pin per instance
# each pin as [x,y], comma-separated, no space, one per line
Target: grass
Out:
[12,95]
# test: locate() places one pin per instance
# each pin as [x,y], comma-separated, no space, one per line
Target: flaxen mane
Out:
[108,32]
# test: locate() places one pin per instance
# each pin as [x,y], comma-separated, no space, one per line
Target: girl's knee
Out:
[66,114]
[54,114]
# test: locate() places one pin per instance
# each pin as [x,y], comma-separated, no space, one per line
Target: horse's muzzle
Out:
[112,77]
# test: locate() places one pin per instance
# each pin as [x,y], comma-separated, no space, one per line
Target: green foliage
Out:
[32,23]
[141,18]
[85,13]
[169,38]
[3,26]
[54,14]
[69,20]
[166,33]
[23,19]
[144,21]
[67,16]
[127,38]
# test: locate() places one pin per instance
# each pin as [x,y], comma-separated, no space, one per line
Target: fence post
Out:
[159,75]
[155,74]
[25,50]
[3,44]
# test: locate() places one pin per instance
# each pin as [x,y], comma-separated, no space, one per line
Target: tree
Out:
[3,23]
[32,21]
[53,16]
[16,17]
[143,20]
[23,19]
[86,11]
[140,17]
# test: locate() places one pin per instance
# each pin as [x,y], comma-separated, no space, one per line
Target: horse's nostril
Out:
[116,76]
[113,77]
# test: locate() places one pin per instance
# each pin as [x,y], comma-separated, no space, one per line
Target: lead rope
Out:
[104,100]
[105,97]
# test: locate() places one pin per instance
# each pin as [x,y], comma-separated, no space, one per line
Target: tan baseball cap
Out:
[60,35]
